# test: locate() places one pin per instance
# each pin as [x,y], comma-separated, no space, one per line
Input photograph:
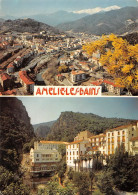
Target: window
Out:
[37,155]
[73,152]
[132,135]
[70,153]
[123,132]
[118,133]
[70,158]
[77,152]
[112,134]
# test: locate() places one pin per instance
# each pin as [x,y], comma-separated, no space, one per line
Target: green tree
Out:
[62,150]
[82,182]
[122,168]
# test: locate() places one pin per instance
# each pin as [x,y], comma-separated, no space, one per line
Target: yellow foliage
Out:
[120,58]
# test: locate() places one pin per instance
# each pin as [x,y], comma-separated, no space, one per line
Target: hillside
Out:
[115,21]
[41,130]
[69,124]
[132,38]
[26,25]
[15,131]
[56,18]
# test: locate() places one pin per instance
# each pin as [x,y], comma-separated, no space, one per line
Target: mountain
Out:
[115,21]
[56,18]
[69,124]
[41,130]
[48,124]
[15,131]
[26,25]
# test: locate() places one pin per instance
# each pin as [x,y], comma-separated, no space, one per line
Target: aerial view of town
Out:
[67,48]
[68,146]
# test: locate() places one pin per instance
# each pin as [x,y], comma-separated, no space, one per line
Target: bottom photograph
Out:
[68,146]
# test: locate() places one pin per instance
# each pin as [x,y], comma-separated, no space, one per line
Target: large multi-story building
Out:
[45,156]
[86,145]
[98,143]
[75,150]
[120,135]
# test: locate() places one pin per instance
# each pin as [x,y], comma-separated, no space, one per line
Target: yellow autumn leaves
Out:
[119,57]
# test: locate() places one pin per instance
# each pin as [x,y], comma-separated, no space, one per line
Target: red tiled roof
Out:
[119,128]
[97,83]
[5,76]
[9,92]
[24,77]
[83,63]
[53,142]
[79,72]
[111,83]
[10,65]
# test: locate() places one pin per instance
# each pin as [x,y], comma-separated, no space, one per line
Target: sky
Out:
[49,109]
[32,7]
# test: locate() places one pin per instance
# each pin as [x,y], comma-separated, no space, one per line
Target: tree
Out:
[61,169]
[105,183]
[81,181]
[62,150]
[91,175]
[119,57]
[70,173]
[75,162]
[62,68]
[120,173]
[123,168]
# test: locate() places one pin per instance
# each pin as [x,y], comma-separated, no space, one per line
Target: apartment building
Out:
[86,145]
[74,151]
[120,135]
[45,156]
[98,143]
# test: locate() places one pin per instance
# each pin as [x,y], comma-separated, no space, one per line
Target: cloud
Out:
[97,10]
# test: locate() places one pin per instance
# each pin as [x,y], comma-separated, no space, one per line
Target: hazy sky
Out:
[29,7]
[48,109]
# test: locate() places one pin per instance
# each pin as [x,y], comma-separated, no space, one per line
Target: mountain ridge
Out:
[114,21]
[69,124]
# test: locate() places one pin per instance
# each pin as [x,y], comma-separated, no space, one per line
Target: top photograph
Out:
[69,43]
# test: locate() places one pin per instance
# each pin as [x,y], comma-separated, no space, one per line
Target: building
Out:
[86,147]
[10,68]
[113,88]
[98,143]
[77,76]
[74,151]
[45,156]
[6,81]
[84,135]
[120,135]
[133,146]
[26,82]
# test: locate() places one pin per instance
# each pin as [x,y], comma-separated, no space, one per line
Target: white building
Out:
[45,156]
[74,150]
[120,135]
[77,76]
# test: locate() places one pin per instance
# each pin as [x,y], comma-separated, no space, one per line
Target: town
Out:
[28,59]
